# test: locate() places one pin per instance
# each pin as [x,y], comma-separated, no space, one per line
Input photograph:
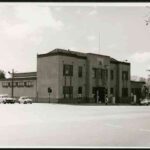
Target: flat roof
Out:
[65,52]
[138,81]
[23,78]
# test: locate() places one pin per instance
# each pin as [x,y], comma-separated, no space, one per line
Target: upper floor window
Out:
[104,74]
[111,74]
[80,90]
[68,70]
[94,72]
[124,75]
[80,71]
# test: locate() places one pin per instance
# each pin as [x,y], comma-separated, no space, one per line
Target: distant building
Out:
[136,89]
[81,77]
[24,84]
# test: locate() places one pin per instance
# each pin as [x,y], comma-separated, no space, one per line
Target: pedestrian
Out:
[106,99]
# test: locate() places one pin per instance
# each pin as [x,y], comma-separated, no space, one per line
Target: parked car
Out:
[3,98]
[25,100]
[145,101]
[10,100]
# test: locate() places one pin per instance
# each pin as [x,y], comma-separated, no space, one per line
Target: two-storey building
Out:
[81,77]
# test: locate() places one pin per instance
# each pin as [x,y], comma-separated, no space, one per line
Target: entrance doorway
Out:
[99,94]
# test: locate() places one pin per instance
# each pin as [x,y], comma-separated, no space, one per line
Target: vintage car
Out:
[145,101]
[4,98]
[25,100]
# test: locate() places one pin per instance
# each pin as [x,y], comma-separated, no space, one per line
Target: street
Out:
[59,125]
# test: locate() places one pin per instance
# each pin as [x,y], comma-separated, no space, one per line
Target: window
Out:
[124,92]
[20,84]
[9,84]
[132,90]
[111,74]
[25,83]
[16,83]
[93,90]
[98,73]
[94,72]
[100,62]
[29,84]
[5,84]
[80,71]
[124,75]
[80,90]
[112,91]
[104,74]
[68,70]
[67,91]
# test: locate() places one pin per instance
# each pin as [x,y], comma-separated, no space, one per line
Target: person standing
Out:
[106,99]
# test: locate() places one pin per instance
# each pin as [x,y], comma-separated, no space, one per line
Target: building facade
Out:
[81,77]
[136,90]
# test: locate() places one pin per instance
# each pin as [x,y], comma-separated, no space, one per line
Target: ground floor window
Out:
[68,91]
[79,91]
[124,92]
[112,91]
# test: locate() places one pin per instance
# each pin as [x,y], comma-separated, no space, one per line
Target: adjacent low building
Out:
[24,84]
[136,90]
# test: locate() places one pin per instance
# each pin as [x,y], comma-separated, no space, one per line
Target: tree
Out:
[2,74]
[144,91]
[142,79]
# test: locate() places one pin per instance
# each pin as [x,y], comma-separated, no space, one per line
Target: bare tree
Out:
[2,74]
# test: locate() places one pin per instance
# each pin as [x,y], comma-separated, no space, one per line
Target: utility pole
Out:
[12,82]
[99,42]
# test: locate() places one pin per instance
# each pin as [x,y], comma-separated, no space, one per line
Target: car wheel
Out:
[4,102]
[25,102]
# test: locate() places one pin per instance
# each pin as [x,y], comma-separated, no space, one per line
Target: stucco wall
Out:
[125,84]
[47,76]
[113,83]
[93,62]
[75,80]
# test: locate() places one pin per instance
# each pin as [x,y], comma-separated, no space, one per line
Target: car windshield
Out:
[3,96]
[24,97]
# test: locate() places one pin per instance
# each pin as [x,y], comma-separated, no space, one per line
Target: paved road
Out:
[50,125]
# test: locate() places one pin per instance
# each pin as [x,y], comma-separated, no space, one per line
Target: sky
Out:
[28,29]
